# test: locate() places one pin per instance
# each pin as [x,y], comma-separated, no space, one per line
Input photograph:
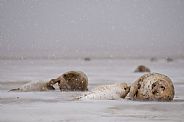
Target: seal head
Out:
[72,81]
[152,86]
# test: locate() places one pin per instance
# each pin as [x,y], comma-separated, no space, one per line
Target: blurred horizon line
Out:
[87,58]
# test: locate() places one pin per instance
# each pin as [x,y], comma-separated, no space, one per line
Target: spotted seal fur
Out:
[152,87]
[107,92]
[72,81]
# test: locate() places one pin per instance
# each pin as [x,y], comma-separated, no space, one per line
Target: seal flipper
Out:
[53,81]
[50,86]
[133,90]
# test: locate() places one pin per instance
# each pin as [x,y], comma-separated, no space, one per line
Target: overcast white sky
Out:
[101,28]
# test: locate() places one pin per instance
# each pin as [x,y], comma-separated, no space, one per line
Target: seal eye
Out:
[162,87]
[64,75]
[125,88]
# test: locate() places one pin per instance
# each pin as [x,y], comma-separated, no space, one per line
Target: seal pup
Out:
[71,81]
[152,87]
[142,68]
[107,92]
[35,86]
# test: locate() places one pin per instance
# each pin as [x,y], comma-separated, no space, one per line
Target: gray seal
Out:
[142,68]
[71,81]
[152,87]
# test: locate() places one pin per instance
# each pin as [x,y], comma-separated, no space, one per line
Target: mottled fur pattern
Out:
[72,81]
[152,86]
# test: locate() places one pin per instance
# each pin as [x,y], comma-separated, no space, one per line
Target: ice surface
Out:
[54,106]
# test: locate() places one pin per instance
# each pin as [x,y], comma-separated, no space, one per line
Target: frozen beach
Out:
[56,106]
[42,39]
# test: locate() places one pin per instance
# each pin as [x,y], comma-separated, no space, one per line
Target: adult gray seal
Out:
[152,86]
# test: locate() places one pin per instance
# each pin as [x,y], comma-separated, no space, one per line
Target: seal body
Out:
[72,81]
[107,92]
[35,86]
[152,86]
[142,68]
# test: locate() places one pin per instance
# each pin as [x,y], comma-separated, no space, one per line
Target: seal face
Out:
[72,81]
[107,92]
[142,68]
[152,86]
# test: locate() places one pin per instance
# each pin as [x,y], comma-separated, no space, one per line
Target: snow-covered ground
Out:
[56,106]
